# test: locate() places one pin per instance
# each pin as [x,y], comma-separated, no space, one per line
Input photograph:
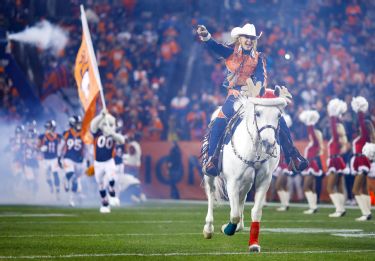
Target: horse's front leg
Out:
[262,184]
[240,225]
[235,208]
[246,186]
[208,229]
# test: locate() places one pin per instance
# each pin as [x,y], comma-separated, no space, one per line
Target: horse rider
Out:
[242,61]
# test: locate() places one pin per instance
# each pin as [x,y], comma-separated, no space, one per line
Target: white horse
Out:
[250,156]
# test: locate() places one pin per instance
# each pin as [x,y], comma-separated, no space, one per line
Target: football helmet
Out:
[20,129]
[50,125]
[75,122]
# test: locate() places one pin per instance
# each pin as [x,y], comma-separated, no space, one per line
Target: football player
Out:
[16,146]
[103,128]
[48,144]
[72,158]
[30,160]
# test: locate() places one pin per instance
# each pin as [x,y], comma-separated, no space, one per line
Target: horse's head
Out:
[266,112]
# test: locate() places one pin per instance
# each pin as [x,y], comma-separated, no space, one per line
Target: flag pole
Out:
[90,48]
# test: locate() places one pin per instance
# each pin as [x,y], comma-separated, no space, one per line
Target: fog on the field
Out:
[18,186]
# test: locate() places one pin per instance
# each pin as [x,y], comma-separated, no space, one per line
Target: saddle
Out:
[224,139]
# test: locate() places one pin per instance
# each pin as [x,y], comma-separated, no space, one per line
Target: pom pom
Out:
[288,120]
[336,107]
[359,104]
[369,151]
[309,117]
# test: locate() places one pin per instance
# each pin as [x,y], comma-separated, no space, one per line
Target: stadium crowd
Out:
[164,86]
[323,52]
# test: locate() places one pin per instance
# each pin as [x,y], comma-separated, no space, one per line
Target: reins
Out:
[258,161]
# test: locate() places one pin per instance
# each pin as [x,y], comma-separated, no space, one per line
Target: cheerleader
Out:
[313,152]
[337,146]
[282,173]
[360,164]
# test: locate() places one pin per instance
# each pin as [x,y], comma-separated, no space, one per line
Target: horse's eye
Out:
[279,115]
[257,114]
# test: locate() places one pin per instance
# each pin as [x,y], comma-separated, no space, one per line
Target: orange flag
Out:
[87,78]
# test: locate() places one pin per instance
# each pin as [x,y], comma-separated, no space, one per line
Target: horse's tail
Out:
[220,189]
[216,187]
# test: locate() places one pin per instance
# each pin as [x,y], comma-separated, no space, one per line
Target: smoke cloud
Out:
[44,35]
[16,188]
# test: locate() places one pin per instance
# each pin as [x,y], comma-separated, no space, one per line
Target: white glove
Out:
[104,112]
[203,33]
[43,148]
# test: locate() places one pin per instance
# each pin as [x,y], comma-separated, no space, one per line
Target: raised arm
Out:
[219,49]
[311,132]
[94,125]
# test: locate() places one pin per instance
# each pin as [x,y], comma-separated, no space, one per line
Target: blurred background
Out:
[162,83]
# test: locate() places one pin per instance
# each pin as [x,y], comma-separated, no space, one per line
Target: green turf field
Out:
[162,231]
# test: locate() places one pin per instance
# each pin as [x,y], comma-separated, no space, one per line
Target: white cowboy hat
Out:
[247,29]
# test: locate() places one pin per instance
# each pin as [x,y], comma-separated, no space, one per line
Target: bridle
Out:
[268,126]
[259,160]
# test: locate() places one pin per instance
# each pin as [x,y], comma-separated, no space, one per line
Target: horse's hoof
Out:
[240,227]
[229,229]
[208,231]
[254,248]
[223,227]
[207,235]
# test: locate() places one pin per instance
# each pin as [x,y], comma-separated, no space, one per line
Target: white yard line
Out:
[338,232]
[98,235]
[360,235]
[301,230]
[186,254]
[73,222]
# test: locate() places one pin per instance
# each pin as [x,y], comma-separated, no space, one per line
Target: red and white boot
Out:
[254,237]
